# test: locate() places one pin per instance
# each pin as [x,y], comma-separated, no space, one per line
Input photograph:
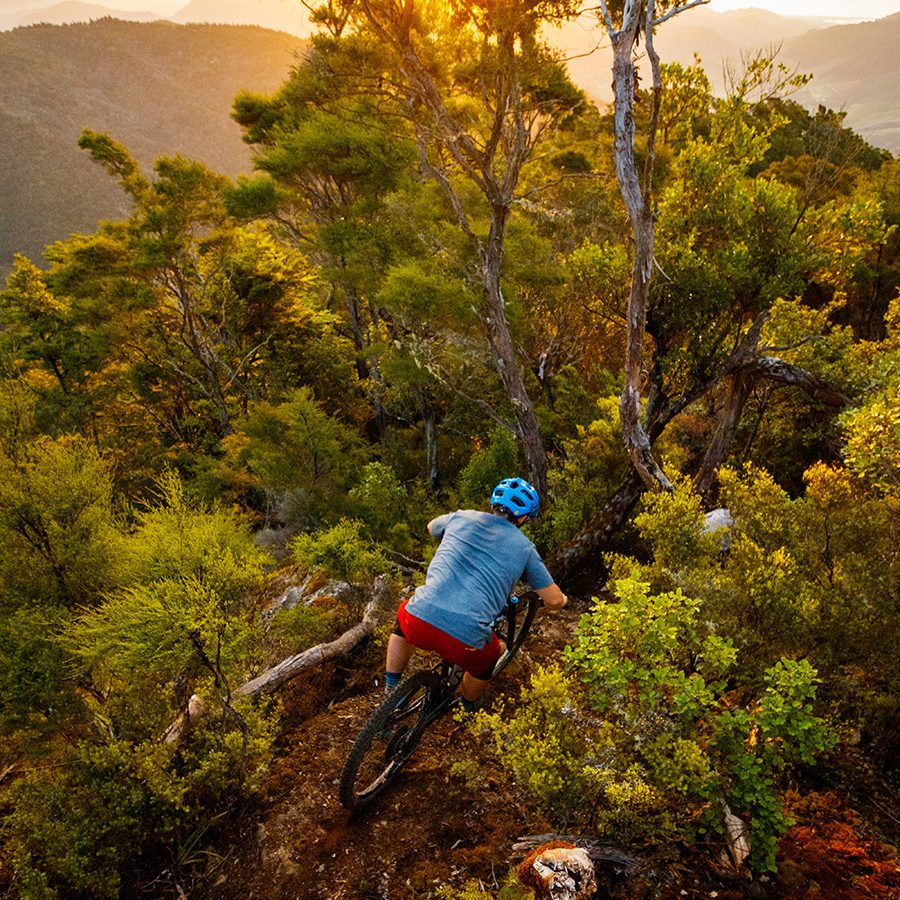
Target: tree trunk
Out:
[500,340]
[637,201]
[739,391]
[431,448]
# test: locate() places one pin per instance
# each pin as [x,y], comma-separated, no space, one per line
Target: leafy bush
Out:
[57,524]
[379,499]
[489,465]
[301,627]
[89,826]
[543,747]
[300,457]
[657,671]
[594,465]
[474,890]
[193,569]
[340,552]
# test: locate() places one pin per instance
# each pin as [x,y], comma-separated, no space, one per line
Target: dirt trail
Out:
[432,825]
[452,814]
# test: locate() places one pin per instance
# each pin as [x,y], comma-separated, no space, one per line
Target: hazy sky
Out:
[861,9]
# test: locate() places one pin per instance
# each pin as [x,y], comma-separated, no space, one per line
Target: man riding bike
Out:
[481,557]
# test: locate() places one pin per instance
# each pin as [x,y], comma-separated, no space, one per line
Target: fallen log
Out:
[621,861]
[290,668]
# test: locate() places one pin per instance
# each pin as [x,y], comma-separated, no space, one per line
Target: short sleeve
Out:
[439,524]
[536,574]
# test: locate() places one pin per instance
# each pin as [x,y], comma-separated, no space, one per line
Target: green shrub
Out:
[341,552]
[379,499]
[653,667]
[300,627]
[57,524]
[594,465]
[544,749]
[113,810]
[500,459]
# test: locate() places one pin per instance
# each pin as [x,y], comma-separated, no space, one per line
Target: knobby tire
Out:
[527,608]
[386,741]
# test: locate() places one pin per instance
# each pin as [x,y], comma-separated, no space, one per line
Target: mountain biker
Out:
[481,557]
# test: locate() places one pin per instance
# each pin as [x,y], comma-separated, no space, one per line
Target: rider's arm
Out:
[552,596]
[436,526]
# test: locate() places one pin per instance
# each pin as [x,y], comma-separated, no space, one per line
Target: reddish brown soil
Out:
[431,826]
[435,825]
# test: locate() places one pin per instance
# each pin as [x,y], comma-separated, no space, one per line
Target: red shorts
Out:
[478,663]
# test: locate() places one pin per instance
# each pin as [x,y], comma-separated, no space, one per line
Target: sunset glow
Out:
[866,9]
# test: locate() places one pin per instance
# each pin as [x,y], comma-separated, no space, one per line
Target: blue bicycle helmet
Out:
[516,496]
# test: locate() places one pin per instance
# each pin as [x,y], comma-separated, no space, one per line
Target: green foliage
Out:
[686,100]
[475,890]
[544,748]
[487,467]
[113,807]
[299,628]
[186,617]
[652,653]
[35,696]
[379,499]
[57,524]
[340,552]
[297,454]
[656,671]
[872,449]
[594,466]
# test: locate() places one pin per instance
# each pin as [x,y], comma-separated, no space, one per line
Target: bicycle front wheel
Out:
[386,741]
[514,629]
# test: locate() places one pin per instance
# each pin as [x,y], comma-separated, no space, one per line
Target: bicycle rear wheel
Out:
[514,629]
[386,741]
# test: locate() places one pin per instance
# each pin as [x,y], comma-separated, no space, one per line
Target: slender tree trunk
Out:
[366,365]
[429,420]
[503,351]
[739,392]
[637,201]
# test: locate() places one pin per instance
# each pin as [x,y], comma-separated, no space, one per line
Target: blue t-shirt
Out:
[480,560]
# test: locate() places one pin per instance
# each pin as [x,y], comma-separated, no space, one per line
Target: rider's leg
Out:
[473,685]
[399,651]
[472,688]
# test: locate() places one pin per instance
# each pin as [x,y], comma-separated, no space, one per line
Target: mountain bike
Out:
[394,730]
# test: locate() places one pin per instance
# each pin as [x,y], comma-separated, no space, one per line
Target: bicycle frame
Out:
[405,723]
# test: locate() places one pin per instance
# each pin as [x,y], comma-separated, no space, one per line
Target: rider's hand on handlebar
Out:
[554,599]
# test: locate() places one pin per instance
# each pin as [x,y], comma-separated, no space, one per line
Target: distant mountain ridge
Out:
[280,15]
[156,87]
[69,11]
[854,66]
[162,88]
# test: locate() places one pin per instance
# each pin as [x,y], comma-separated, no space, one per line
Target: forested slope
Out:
[160,88]
[841,59]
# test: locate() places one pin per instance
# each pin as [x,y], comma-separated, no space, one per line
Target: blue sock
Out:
[391,680]
[468,705]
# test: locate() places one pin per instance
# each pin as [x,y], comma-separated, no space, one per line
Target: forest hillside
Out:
[129,79]
[837,56]
[229,413]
